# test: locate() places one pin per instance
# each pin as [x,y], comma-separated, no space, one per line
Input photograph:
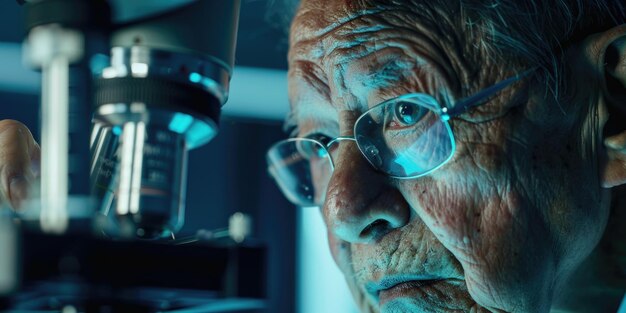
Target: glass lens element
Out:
[302,169]
[405,137]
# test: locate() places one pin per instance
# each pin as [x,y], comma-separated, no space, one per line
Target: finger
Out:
[17,148]
[35,160]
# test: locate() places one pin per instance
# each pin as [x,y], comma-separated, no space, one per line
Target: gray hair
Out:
[538,31]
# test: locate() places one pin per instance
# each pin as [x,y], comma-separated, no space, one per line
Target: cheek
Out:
[476,211]
[574,204]
[465,211]
[464,197]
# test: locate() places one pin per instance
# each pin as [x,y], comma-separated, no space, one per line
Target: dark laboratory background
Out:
[228,174]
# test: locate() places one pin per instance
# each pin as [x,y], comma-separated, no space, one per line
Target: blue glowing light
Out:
[196,132]
[204,81]
[200,133]
[195,77]
[117,130]
[180,123]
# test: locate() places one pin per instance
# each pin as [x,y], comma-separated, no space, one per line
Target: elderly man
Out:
[466,155]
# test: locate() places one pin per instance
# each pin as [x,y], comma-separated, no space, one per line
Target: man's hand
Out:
[19,162]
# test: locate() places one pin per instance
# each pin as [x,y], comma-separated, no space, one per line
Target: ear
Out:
[610,50]
[614,172]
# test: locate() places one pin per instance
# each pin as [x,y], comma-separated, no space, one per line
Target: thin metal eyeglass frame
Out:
[460,107]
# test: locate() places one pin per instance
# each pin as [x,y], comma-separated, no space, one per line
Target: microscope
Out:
[128,88]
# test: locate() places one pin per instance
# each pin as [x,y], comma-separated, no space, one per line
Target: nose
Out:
[361,205]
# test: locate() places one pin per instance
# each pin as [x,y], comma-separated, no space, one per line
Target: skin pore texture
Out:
[499,228]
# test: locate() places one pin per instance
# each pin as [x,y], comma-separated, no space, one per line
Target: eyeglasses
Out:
[406,137]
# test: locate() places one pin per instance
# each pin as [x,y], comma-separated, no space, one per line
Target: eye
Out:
[407,113]
[310,149]
[324,139]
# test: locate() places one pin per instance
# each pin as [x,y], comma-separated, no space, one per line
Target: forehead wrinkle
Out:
[442,23]
[433,35]
[432,19]
[427,31]
[374,28]
[312,25]
[415,49]
[317,22]
[343,97]
[358,39]
[344,21]
[392,69]
[310,44]
[421,58]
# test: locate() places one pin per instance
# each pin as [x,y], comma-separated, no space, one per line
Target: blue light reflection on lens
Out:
[409,164]
[180,123]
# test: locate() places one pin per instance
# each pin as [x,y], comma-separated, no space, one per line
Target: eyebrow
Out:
[309,72]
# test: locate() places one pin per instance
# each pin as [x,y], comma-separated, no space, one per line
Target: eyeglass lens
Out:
[404,138]
[302,169]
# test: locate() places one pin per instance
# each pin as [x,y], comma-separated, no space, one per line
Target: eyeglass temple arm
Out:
[484,95]
[337,139]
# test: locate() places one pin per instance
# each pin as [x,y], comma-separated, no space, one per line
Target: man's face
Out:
[501,225]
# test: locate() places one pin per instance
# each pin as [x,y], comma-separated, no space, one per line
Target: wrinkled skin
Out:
[503,224]
[505,221]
